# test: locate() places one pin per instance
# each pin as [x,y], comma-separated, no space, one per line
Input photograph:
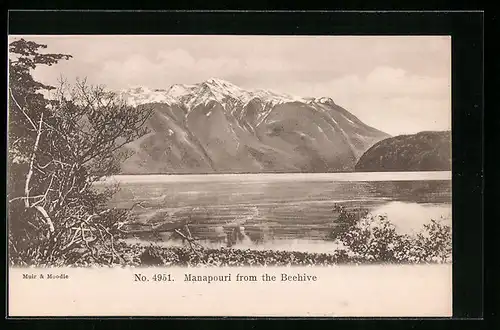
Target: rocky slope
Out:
[424,151]
[215,126]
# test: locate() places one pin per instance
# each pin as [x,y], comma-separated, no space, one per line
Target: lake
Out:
[283,211]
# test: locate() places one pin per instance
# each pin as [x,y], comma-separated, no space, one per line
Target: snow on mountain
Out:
[217,127]
[193,95]
[179,91]
[323,100]
[141,95]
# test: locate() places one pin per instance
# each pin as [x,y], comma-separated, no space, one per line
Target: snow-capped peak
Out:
[223,88]
[216,89]
[137,95]
[138,89]
[323,100]
[219,82]
[180,90]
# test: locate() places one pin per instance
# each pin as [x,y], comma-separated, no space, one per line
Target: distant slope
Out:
[217,127]
[424,151]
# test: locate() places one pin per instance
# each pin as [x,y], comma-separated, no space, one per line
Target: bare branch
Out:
[24,197]
[21,108]
[33,155]
[46,217]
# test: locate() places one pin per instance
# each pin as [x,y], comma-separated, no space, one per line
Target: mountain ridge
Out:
[220,89]
[217,127]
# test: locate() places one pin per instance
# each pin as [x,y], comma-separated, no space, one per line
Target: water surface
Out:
[284,210]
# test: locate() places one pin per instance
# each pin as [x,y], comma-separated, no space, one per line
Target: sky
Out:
[398,84]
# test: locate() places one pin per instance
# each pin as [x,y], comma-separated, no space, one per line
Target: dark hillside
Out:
[424,151]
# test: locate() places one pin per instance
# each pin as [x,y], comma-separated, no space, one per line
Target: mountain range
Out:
[217,127]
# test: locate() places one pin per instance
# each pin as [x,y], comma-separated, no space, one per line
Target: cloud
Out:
[165,69]
[381,82]
[179,63]
[397,84]
[395,81]
[403,115]
[387,98]
[176,58]
[263,65]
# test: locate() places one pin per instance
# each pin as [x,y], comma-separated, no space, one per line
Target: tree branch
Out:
[46,217]
[33,155]
[21,108]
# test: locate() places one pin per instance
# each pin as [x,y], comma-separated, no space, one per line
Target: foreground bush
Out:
[375,239]
[154,255]
[57,149]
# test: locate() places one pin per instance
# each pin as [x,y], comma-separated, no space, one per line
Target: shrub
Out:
[57,149]
[345,220]
[375,239]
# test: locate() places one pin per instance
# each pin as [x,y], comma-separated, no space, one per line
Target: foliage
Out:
[345,220]
[375,239]
[57,149]
[155,255]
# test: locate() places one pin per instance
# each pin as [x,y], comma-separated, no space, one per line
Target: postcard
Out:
[229,175]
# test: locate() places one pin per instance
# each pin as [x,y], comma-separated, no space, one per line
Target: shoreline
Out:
[328,176]
[139,255]
[156,255]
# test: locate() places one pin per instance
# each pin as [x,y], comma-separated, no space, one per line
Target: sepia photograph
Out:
[216,158]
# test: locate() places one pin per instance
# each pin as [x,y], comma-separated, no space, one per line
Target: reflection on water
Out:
[409,218]
[282,213]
